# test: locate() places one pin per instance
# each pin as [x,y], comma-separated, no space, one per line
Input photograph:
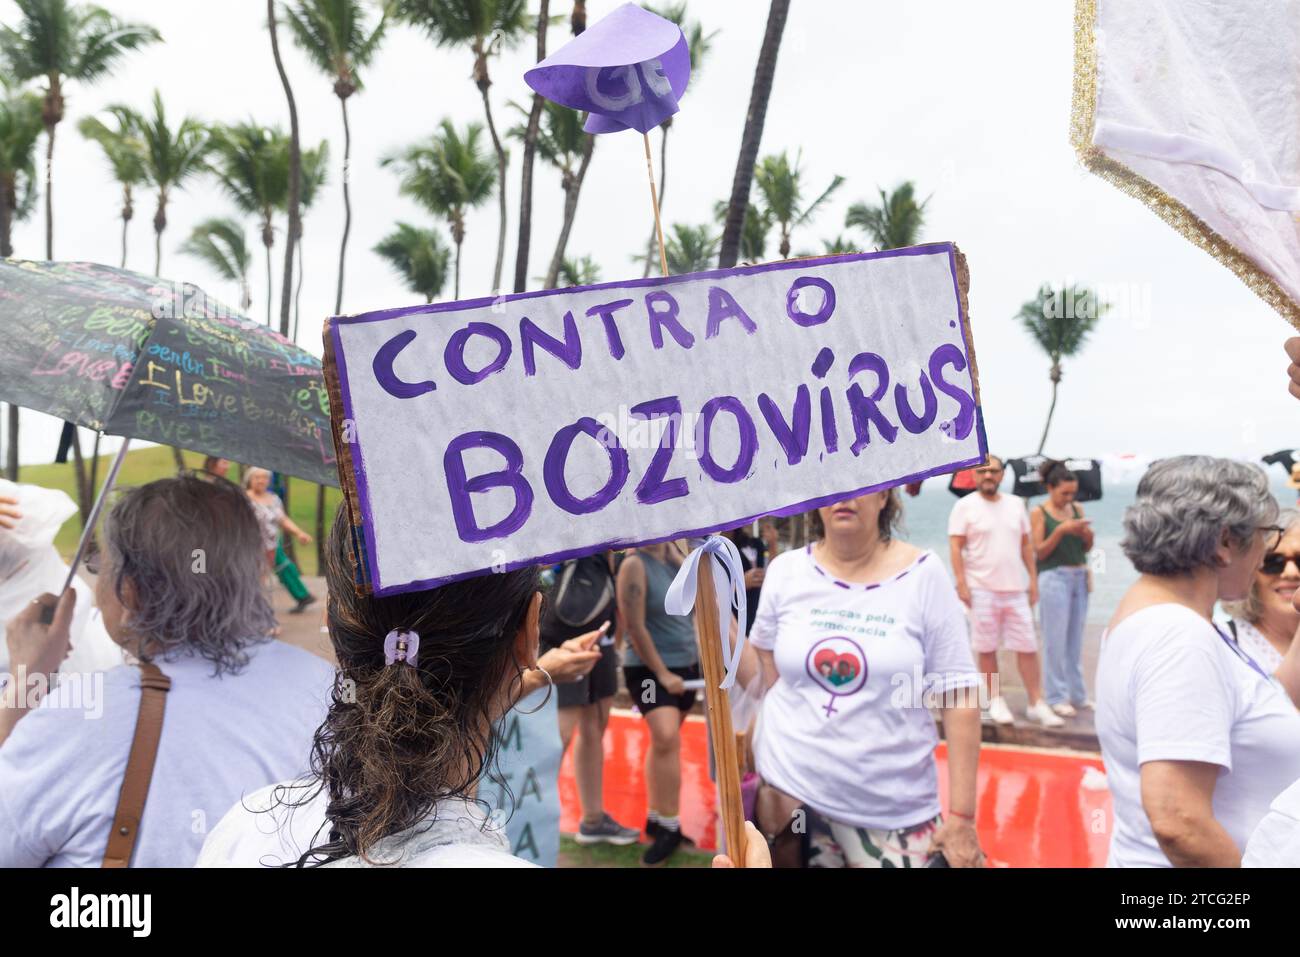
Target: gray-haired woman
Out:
[1197,738]
[180,590]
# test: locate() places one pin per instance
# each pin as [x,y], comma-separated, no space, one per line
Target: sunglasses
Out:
[1274,563]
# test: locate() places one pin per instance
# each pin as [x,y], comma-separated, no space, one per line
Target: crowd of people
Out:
[272,755]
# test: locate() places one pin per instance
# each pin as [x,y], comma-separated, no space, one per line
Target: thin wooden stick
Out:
[654,201]
[718,705]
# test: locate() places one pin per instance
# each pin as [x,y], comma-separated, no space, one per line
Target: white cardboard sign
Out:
[496,433]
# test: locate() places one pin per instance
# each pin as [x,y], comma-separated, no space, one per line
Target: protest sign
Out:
[498,433]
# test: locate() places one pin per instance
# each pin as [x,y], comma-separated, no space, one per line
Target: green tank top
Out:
[1069,552]
[673,635]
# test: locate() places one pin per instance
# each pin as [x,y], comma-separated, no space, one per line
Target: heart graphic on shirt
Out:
[838,668]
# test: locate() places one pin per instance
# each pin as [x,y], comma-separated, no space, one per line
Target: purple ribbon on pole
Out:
[627,71]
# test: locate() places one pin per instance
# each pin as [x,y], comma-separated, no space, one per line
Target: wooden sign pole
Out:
[654,201]
[718,705]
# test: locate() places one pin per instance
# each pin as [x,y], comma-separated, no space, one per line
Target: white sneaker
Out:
[1000,711]
[1064,709]
[1040,711]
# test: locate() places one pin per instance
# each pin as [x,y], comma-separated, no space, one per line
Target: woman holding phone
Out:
[1062,537]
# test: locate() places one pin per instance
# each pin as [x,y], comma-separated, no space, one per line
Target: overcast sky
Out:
[971,101]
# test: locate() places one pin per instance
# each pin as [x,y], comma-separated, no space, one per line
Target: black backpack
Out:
[580,601]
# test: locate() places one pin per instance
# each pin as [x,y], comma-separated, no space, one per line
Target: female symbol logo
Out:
[838,665]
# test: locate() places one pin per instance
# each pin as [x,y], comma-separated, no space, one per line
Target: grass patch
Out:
[147,464]
[573,854]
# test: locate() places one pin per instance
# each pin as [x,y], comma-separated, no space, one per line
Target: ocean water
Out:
[925,523]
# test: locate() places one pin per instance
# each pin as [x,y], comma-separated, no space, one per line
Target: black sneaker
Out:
[666,842]
[302,605]
[651,828]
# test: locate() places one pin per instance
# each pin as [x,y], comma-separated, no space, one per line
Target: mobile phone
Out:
[937,859]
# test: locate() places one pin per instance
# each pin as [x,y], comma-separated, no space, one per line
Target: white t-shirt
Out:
[222,737]
[276,826]
[994,533]
[1276,842]
[1169,688]
[846,728]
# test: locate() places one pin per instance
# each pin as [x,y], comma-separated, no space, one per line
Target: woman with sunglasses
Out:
[1265,621]
[1196,736]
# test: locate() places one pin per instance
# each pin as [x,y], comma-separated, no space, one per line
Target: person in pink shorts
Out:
[993,563]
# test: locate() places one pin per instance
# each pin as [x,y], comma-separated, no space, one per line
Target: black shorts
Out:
[646,694]
[600,682]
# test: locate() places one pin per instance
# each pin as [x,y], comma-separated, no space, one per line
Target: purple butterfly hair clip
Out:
[401,646]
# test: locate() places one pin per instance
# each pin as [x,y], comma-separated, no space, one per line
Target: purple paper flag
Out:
[627,71]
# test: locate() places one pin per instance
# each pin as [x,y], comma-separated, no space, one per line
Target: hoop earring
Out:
[550,687]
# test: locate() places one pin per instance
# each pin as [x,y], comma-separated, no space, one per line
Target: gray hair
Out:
[191,552]
[1184,505]
[249,473]
[1250,608]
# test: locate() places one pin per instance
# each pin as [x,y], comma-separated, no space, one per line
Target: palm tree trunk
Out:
[6,223]
[49,190]
[11,464]
[753,135]
[570,213]
[127,212]
[663,178]
[501,194]
[530,151]
[1048,424]
[347,210]
[297,292]
[295,178]
[159,224]
[269,271]
[458,271]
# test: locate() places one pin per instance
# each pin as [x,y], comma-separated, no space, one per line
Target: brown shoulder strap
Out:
[154,686]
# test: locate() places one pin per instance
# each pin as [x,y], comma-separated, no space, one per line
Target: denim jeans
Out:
[1063,604]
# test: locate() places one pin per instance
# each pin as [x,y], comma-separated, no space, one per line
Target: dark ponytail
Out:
[1055,472]
[399,738]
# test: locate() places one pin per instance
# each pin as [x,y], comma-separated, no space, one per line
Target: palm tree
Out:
[753,235]
[20,127]
[59,41]
[315,173]
[698,44]
[252,163]
[579,272]
[782,192]
[488,27]
[221,244]
[895,223]
[125,154]
[294,201]
[764,72]
[448,176]
[172,157]
[688,249]
[419,256]
[1060,321]
[562,143]
[337,36]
